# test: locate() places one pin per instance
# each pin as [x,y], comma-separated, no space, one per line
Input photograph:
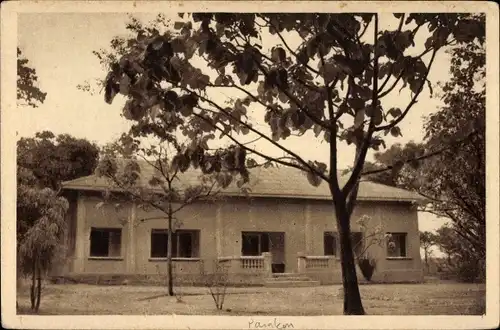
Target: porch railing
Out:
[252,262]
[247,264]
[315,263]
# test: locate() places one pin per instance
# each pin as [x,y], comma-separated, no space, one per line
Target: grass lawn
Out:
[379,299]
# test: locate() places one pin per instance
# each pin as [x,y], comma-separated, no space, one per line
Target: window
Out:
[185,243]
[105,242]
[396,245]
[254,243]
[330,243]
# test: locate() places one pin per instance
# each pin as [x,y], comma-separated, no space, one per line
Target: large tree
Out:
[303,74]
[453,177]
[53,159]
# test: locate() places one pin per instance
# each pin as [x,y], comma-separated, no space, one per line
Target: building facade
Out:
[252,237]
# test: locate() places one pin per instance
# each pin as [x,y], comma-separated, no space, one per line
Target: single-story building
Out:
[283,229]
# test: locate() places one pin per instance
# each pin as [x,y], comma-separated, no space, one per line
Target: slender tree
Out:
[427,241]
[43,162]
[326,74]
[40,229]
[166,189]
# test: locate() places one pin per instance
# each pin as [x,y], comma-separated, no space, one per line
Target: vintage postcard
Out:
[250,164]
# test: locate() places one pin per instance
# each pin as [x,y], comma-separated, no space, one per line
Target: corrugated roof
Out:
[277,182]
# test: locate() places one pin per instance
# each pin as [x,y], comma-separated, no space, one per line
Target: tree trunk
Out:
[426,261]
[352,297]
[170,282]
[39,287]
[33,282]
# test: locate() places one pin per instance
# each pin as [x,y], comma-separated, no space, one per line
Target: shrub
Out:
[217,284]
[470,271]
[367,266]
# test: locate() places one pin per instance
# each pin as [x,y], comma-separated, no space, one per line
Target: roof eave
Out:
[229,194]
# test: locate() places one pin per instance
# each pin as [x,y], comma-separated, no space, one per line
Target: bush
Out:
[367,266]
[470,271]
[466,273]
[217,284]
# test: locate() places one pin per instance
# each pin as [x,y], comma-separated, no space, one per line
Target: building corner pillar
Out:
[82,235]
[219,230]
[131,250]
[308,229]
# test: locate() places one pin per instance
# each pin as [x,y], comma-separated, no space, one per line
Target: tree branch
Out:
[271,159]
[413,100]
[332,176]
[291,153]
[267,162]
[134,195]
[288,47]
[197,198]
[351,199]
[390,89]
[392,65]
[292,98]
[428,155]
[361,156]
[160,169]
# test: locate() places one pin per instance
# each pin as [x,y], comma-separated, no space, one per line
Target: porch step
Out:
[281,280]
[290,284]
[289,278]
[285,274]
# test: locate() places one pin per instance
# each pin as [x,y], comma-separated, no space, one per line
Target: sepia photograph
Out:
[250,165]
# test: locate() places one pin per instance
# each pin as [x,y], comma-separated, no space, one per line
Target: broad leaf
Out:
[396,131]
[313,179]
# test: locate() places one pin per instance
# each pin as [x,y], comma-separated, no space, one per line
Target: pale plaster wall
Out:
[194,217]
[221,224]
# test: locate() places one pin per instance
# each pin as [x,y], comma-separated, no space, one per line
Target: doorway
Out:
[255,243]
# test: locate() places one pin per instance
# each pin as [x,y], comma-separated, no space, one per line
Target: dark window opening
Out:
[185,243]
[330,243]
[254,243]
[105,242]
[396,245]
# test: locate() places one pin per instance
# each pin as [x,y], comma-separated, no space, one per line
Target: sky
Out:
[59,46]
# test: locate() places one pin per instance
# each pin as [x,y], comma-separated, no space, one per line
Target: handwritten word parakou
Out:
[274,324]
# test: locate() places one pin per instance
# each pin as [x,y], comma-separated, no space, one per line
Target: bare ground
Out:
[379,299]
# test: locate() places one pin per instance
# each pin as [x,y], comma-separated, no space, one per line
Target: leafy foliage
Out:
[42,163]
[54,159]
[40,235]
[427,240]
[27,91]
[396,164]
[462,259]
[453,179]
[326,82]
